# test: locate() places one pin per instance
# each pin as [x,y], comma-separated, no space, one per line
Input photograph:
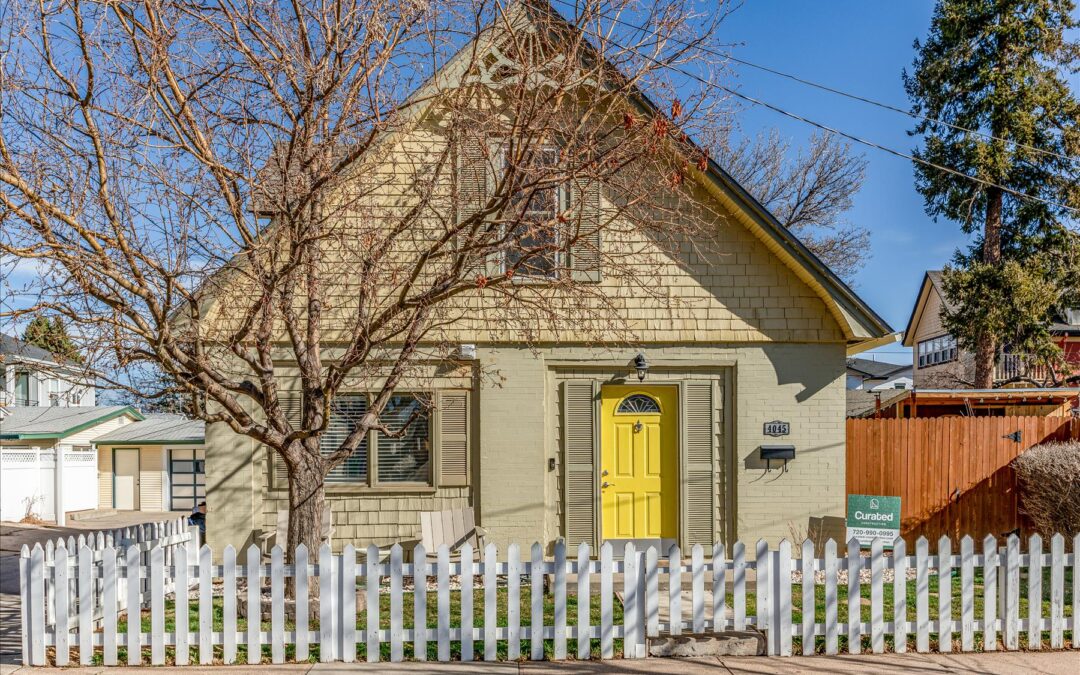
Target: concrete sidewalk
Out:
[1001,663]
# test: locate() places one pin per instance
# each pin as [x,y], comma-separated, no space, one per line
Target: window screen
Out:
[406,458]
[345,414]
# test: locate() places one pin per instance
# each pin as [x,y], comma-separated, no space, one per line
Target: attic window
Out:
[533,244]
[937,351]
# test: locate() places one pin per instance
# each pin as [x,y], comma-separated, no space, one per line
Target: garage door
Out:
[187,478]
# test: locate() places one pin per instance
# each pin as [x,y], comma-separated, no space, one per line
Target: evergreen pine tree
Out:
[51,335]
[998,67]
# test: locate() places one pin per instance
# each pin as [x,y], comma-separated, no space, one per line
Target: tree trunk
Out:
[307,496]
[986,347]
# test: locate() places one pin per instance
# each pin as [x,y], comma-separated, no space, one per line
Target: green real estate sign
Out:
[873,516]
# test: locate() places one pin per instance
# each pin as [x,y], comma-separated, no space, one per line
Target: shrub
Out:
[1049,477]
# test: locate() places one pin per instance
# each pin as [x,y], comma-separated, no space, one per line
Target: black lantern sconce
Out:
[641,365]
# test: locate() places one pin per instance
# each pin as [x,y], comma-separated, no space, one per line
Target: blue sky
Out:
[860,47]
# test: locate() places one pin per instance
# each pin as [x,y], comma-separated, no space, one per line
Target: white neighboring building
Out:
[30,376]
[48,463]
[869,375]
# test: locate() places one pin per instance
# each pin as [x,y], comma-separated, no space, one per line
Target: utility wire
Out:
[838,132]
[827,88]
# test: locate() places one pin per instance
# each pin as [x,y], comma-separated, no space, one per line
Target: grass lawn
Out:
[571,614]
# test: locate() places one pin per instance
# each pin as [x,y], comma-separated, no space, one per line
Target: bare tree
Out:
[809,191]
[246,199]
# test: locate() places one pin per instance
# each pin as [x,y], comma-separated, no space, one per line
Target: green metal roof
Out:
[30,422]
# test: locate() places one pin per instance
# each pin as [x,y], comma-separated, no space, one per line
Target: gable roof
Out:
[14,347]
[876,369]
[931,283]
[862,327]
[28,422]
[157,430]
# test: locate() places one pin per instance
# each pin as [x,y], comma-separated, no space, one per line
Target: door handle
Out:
[607,484]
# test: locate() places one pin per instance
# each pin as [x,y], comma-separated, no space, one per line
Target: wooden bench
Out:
[454,528]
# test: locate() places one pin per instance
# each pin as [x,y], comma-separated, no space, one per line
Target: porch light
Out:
[641,365]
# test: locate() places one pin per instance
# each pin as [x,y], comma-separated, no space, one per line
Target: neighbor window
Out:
[937,350]
[536,213]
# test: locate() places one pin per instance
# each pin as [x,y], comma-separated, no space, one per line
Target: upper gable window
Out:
[534,244]
[937,350]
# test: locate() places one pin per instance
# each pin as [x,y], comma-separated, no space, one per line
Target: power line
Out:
[852,137]
[832,90]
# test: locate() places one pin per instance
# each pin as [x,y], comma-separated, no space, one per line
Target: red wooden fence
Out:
[951,473]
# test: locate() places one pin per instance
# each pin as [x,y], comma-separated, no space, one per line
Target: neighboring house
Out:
[31,376]
[537,438]
[1060,402]
[877,375]
[33,439]
[938,361]
[157,464]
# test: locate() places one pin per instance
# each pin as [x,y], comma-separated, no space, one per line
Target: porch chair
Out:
[455,528]
[267,540]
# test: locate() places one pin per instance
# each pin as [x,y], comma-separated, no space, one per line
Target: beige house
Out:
[155,464]
[552,437]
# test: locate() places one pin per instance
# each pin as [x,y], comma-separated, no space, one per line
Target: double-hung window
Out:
[534,243]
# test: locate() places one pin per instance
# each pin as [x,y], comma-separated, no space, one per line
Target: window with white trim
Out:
[937,350]
[533,245]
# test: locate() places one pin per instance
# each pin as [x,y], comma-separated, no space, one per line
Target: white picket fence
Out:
[640,579]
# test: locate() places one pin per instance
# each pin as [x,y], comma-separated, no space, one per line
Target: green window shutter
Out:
[579,479]
[453,420]
[700,429]
[584,250]
[291,405]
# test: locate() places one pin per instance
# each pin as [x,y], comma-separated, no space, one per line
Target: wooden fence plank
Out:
[1011,616]
[467,603]
[109,604]
[990,592]
[491,598]
[513,602]
[536,603]
[944,594]
[607,626]
[327,592]
[877,596]
[781,613]
[182,599]
[443,578]
[560,600]
[157,606]
[1034,592]
[61,582]
[86,605]
[675,590]
[900,606]
[1057,593]
[652,592]
[133,559]
[206,607]
[300,561]
[809,602]
[584,606]
[397,603]
[762,586]
[854,622]
[922,596]
[738,581]
[967,594]
[719,588]
[697,588]
[254,604]
[832,600]
[277,605]
[420,580]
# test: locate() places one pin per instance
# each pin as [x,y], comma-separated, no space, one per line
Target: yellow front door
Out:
[639,465]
